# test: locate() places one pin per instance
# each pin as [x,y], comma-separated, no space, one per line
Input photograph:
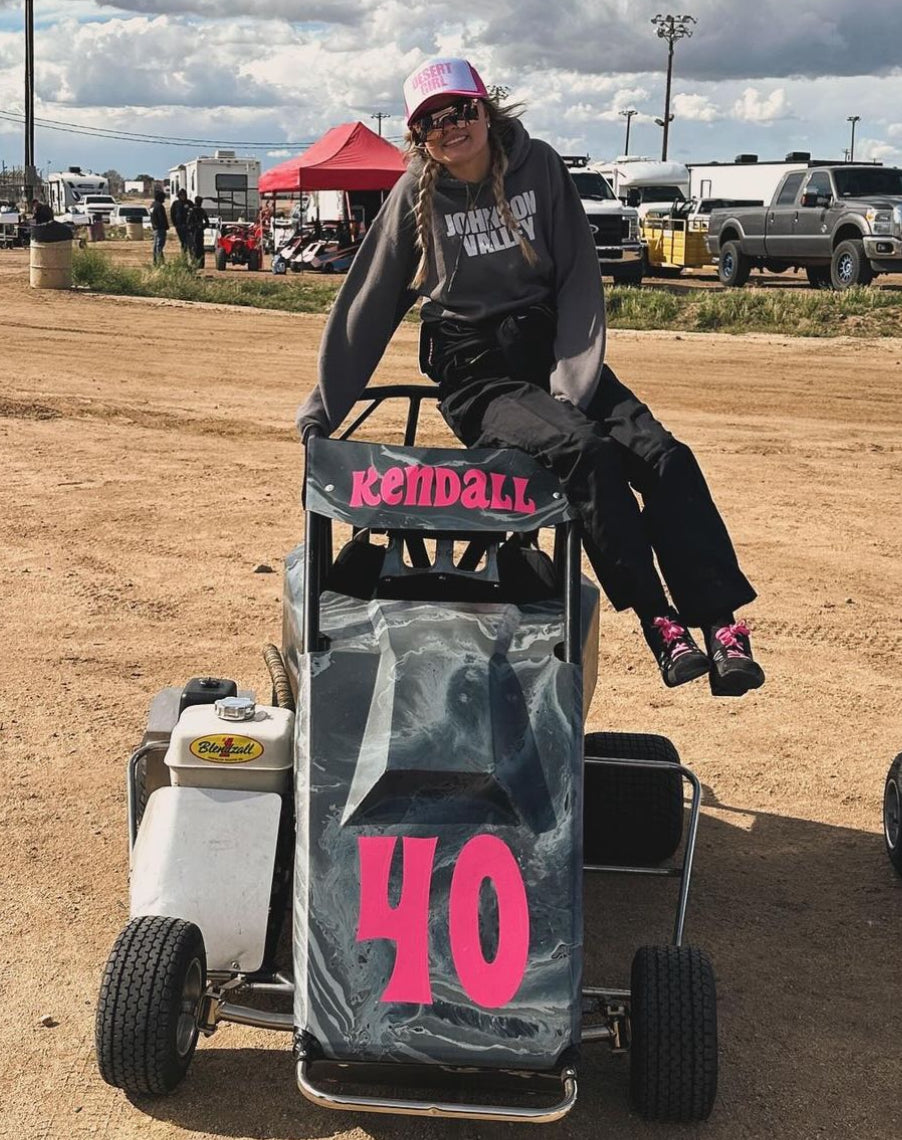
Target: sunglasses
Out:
[431,126]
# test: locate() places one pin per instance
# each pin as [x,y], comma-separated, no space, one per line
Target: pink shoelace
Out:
[728,636]
[674,635]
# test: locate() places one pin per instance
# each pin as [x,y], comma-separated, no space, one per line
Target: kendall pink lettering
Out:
[500,501]
[522,504]
[474,496]
[447,487]
[392,484]
[407,924]
[362,492]
[413,486]
[418,486]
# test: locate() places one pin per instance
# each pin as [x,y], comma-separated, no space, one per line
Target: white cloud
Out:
[696,108]
[752,107]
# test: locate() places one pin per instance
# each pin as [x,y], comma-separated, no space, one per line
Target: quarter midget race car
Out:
[419,795]
[239,243]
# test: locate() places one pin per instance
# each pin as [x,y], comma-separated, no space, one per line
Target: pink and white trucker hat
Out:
[435,80]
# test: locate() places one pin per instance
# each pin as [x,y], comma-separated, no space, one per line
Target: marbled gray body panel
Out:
[455,726]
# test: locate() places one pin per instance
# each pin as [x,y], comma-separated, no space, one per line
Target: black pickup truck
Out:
[841,223]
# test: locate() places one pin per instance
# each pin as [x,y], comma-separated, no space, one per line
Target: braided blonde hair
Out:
[500,120]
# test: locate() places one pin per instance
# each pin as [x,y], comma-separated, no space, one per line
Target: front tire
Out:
[220,259]
[253,260]
[145,1030]
[850,266]
[673,1023]
[734,267]
[631,816]
[892,813]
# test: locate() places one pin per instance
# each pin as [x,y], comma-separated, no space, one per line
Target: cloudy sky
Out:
[765,77]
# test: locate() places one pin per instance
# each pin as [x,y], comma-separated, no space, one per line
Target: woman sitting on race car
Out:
[487,225]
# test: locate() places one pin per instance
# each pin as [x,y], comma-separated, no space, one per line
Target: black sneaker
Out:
[679,658]
[733,670]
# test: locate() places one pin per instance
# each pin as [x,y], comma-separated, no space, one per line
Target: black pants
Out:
[600,456]
[196,247]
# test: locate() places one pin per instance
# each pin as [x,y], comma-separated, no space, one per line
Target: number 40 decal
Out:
[488,984]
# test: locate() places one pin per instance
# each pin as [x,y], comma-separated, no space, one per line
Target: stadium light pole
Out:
[671,28]
[628,115]
[853,119]
[30,175]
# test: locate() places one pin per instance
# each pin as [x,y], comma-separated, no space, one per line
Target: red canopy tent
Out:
[349,157]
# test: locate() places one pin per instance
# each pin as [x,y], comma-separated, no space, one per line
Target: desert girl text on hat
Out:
[432,78]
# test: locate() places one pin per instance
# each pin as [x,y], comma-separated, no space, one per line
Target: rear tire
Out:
[145,1030]
[253,260]
[673,1022]
[631,816]
[733,267]
[892,813]
[850,266]
[220,259]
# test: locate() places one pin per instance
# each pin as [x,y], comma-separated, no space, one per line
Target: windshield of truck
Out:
[100,200]
[591,184]
[866,182]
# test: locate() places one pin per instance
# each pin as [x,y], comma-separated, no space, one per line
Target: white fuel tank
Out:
[234,744]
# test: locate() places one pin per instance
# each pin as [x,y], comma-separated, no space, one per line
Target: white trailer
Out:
[229,185]
[745,178]
[645,183]
[66,192]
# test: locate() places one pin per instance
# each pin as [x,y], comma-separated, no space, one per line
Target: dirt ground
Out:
[150,465]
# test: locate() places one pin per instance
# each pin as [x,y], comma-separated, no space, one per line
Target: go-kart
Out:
[421,789]
[239,243]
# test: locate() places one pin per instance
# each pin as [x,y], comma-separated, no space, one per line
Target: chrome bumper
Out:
[619,254]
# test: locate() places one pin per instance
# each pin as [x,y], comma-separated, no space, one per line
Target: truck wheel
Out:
[850,266]
[631,816]
[818,276]
[145,1030]
[673,1022]
[892,813]
[734,267]
[220,259]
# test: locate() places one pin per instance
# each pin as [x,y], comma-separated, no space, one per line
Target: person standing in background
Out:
[159,223]
[198,221]
[179,214]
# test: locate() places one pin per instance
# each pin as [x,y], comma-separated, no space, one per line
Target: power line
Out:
[139,137]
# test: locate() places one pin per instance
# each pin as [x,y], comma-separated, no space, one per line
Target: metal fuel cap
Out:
[235,708]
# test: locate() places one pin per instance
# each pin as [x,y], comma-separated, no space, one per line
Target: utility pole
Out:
[29,173]
[628,115]
[853,119]
[379,116]
[671,28]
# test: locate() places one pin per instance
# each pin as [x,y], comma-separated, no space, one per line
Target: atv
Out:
[239,243]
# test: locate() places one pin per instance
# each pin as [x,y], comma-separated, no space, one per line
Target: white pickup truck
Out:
[99,205]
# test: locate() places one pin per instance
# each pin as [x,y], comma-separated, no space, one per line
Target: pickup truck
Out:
[615,227]
[841,223]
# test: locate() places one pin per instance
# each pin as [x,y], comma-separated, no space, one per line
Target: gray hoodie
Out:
[477,271]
